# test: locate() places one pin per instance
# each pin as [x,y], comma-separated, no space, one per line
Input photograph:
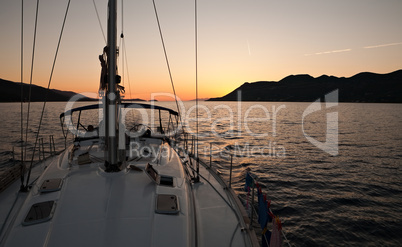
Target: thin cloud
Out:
[383,45]
[328,52]
[346,50]
[248,46]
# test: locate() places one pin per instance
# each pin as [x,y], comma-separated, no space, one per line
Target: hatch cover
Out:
[51,185]
[158,179]
[167,204]
[39,213]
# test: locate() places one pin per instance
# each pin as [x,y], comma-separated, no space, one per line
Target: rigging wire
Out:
[167,60]
[124,60]
[120,44]
[99,21]
[122,17]
[122,38]
[123,51]
[196,81]
[126,63]
[22,94]
[30,79]
[120,49]
[48,86]
[118,57]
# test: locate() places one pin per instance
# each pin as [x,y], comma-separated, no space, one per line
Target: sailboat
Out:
[121,185]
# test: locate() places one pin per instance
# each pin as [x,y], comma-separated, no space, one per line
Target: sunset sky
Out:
[239,41]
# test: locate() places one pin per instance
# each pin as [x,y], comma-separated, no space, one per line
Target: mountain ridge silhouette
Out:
[365,87]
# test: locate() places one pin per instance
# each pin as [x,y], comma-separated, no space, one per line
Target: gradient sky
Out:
[239,41]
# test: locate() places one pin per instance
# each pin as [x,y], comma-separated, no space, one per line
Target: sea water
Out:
[332,172]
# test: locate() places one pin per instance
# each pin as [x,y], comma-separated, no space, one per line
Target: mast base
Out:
[112,167]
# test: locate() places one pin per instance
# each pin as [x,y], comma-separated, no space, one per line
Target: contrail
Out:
[248,46]
[335,51]
[328,52]
[346,50]
[384,45]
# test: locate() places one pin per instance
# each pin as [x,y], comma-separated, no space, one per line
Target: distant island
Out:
[364,87]
[11,92]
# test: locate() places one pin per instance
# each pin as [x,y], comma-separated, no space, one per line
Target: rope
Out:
[48,86]
[30,80]
[166,58]
[99,21]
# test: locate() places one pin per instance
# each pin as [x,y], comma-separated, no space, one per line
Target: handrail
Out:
[189,148]
[123,104]
[172,122]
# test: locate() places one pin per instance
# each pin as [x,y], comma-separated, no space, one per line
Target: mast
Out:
[112,94]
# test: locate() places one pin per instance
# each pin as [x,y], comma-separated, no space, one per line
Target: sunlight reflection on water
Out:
[351,199]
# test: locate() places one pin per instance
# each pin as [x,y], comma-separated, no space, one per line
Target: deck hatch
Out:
[167,204]
[158,179]
[51,185]
[152,173]
[39,213]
